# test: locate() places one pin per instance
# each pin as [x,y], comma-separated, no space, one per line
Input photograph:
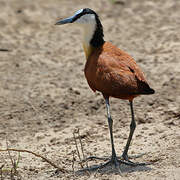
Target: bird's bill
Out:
[65,21]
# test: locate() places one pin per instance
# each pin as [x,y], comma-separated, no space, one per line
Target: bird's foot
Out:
[125,158]
[112,162]
[106,158]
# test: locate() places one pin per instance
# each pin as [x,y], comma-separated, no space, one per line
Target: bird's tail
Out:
[148,91]
[144,88]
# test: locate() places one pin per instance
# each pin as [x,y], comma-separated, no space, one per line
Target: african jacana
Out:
[110,71]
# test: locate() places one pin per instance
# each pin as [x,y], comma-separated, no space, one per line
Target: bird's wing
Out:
[121,71]
[122,64]
[119,60]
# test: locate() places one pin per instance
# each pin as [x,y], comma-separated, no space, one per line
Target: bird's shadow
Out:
[109,169]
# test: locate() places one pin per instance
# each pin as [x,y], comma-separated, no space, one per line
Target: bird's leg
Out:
[132,128]
[110,124]
[113,160]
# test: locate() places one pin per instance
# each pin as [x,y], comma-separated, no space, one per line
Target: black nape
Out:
[98,37]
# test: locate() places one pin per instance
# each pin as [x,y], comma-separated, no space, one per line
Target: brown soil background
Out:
[44,95]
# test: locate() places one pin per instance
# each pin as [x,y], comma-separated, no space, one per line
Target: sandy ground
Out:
[44,96]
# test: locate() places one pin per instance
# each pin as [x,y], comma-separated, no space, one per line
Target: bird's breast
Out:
[99,76]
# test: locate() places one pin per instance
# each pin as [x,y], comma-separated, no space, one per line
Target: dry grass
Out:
[13,171]
[77,153]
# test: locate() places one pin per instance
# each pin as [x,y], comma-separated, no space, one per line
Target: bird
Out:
[110,71]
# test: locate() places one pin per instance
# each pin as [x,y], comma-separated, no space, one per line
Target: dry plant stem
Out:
[77,149]
[37,155]
[73,163]
[82,149]
[12,162]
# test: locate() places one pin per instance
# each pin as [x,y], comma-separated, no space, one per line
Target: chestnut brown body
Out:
[114,73]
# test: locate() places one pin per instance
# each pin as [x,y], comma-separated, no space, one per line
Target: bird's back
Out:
[114,73]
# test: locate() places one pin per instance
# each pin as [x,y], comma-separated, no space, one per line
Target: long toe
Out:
[90,158]
[127,157]
[131,163]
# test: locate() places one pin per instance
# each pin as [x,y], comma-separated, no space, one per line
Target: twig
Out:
[77,149]
[12,162]
[73,163]
[37,155]
[82,149]
[7,146]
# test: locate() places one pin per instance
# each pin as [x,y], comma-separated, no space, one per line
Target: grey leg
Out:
[132,128]
[114,160]
[110,123]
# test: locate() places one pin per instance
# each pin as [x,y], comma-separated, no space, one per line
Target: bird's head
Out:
[93,30]
[81,17]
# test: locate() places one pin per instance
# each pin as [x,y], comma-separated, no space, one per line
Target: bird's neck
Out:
[93,38]
[88,49]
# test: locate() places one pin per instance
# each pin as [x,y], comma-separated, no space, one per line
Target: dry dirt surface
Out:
[44,96]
